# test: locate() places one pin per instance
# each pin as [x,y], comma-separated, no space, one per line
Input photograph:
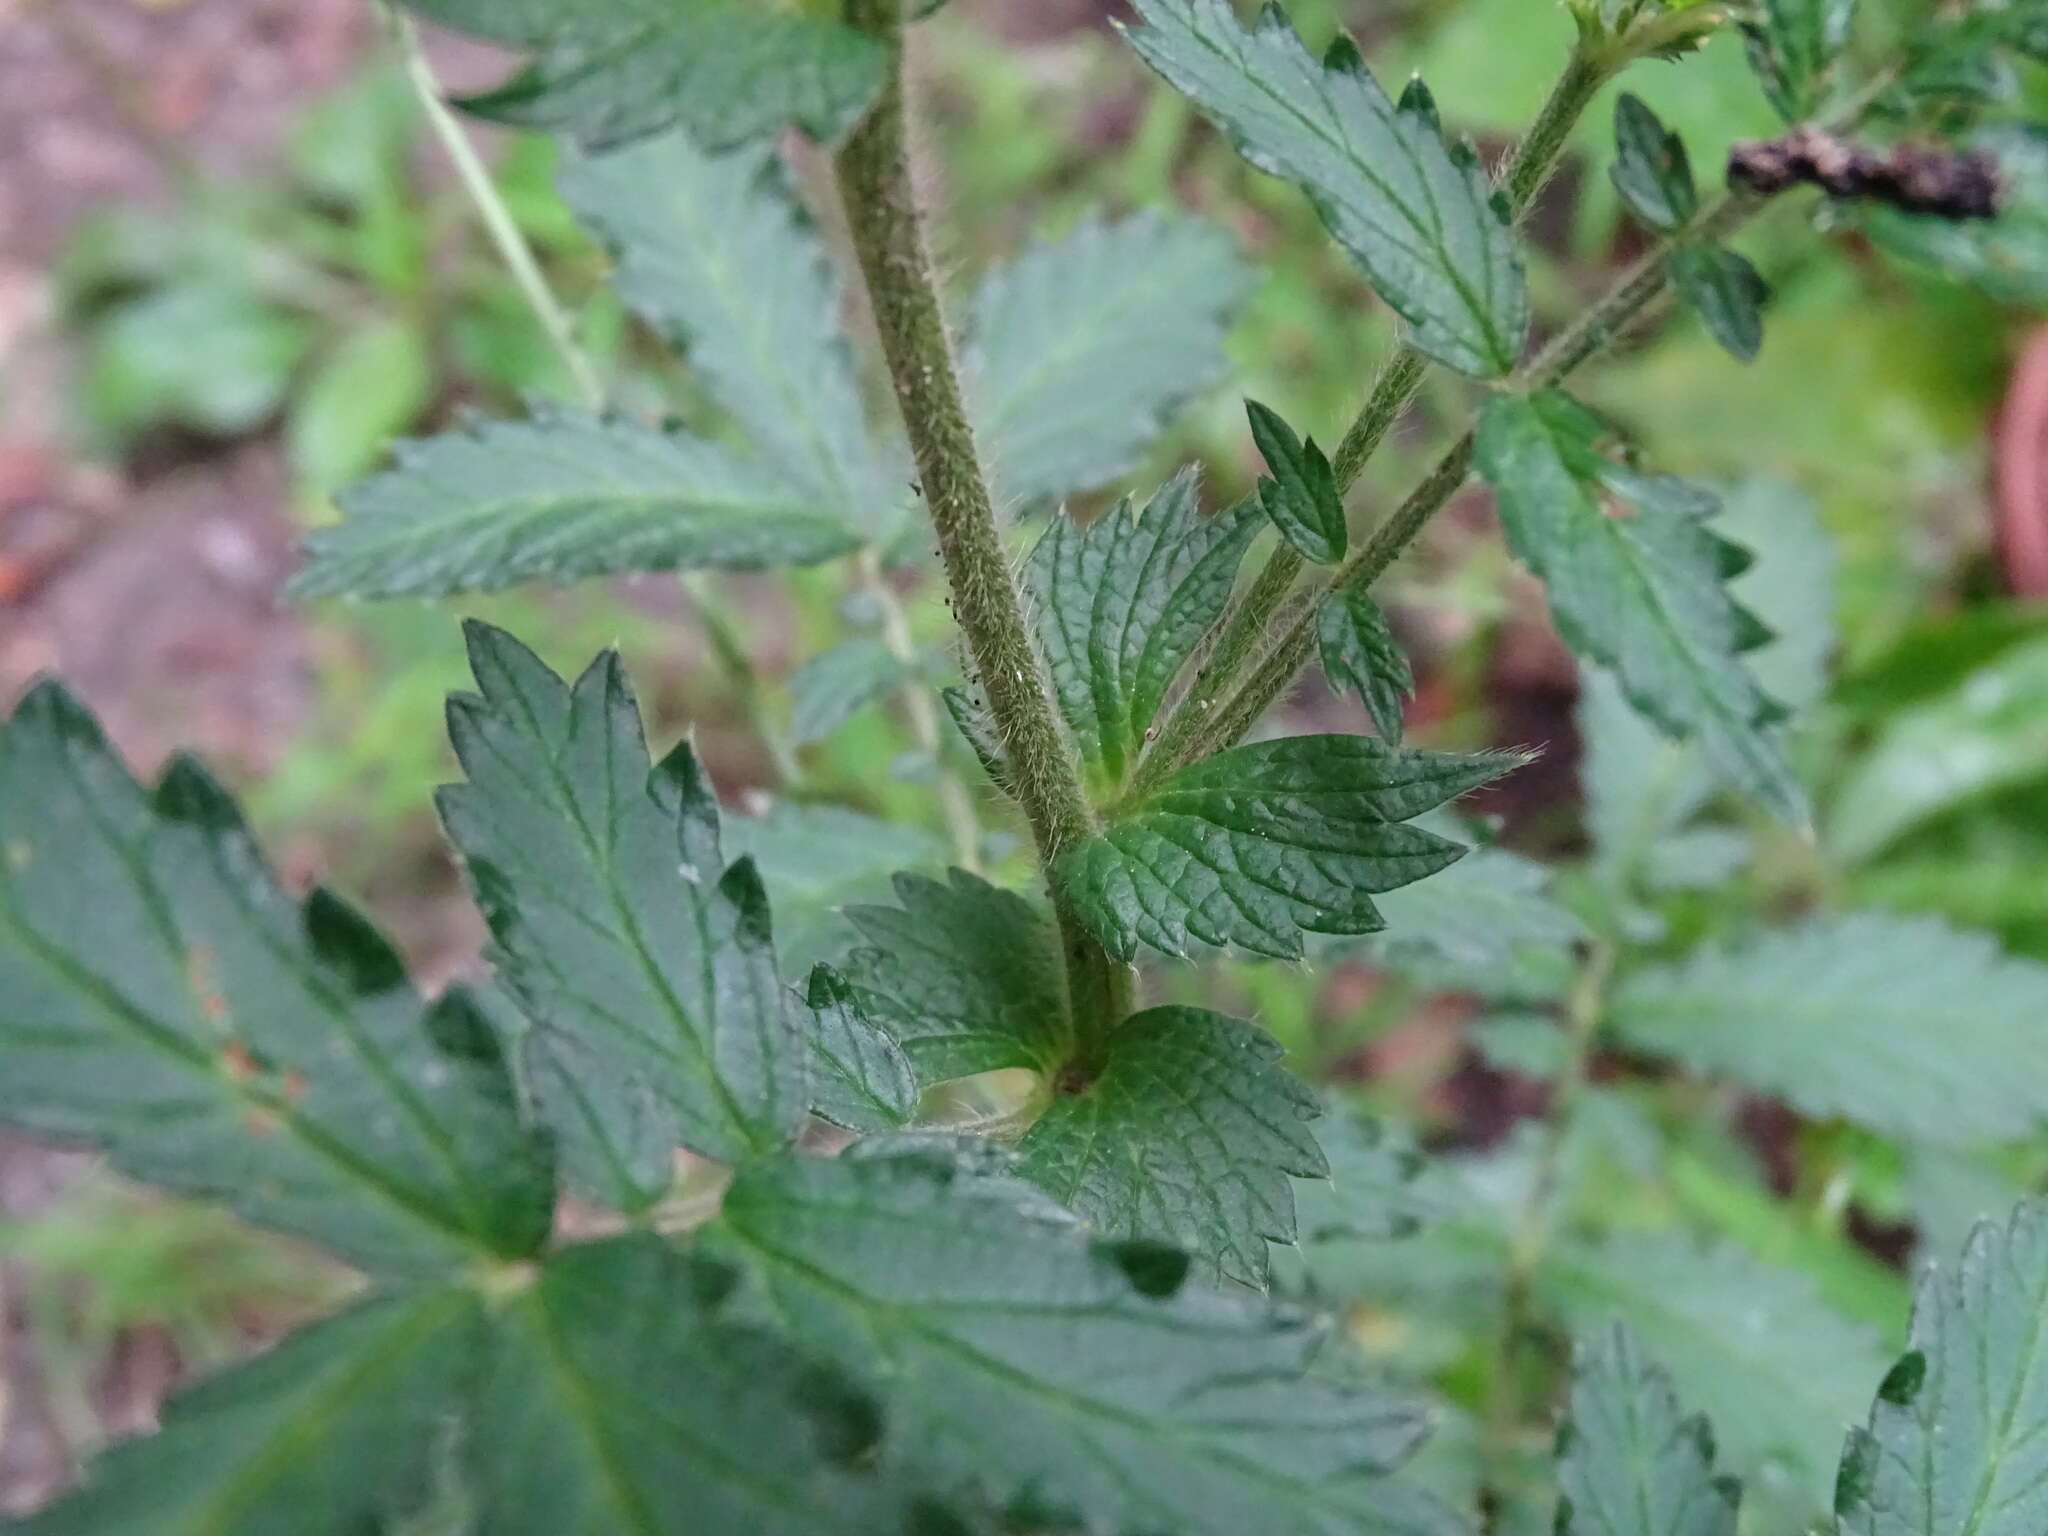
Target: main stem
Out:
[873,172]
[1527,167]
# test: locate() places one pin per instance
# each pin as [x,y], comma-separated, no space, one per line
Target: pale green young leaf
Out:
[1260,844]
[835,685]
[1957,1441]
[1416,213]
[616,1399]
[1123,603]
[334,1432]
[167,1002]
[1629,1462]
[1900,1024]
[1359,654]
[609,71]
[716,253]
[620,927]
[1065,1376]
[1643,593]
[1189,1134]
[560,497]
[964,976]
[860,1078]
[1081,350]
[1651,169]
[1728,293]
[1301,499]
[1794,46]
[1489,924]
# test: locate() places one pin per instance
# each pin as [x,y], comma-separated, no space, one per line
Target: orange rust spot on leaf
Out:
[260,1122]
[238,1062]
[199,977]
[294,1086]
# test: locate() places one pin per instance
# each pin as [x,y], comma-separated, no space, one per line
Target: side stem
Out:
[873,173]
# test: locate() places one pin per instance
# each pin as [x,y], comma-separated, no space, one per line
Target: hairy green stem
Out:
[956,805]
[1522,175]
[873,172]
[511,245]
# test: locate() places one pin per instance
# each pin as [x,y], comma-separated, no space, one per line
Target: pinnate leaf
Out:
[560,497]
[1641,593]
[1256,846]
[1416,213]
[715,252]
[1360,654]
[1122,604]
[619,926]
[168,1002]
[1629,1462]
[1188,1135]
[1904,1025]
[1957,1442]
[1061,1375]
[1083,349]
[609,71]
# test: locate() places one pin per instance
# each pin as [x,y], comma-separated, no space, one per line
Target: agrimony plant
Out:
[1059,1318]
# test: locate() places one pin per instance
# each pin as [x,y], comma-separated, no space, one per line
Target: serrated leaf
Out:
[1065,1377]
[1651,168]
[1359,653]
[1957,1443]
[1476,920]
[1417,214]
[1629,1462]
[1083,349]
[617,1401]
[1123,603]
[168,1002]
[716,253]
[1189,1135]
[618,923]
[1750,1345]
[1301,499]
[1256,846]
[1641,593]
[1901,1024]
[335,1431]
[860,1078]
[1793,47]
[2006,257]
[609,71]
[835,685]
[964,976]
[556,498]
[1369,1194]
[976,723]
[1728,293]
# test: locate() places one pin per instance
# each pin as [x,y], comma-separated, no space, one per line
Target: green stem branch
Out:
[873,173]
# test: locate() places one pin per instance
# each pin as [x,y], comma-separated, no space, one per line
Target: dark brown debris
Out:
[1914,178]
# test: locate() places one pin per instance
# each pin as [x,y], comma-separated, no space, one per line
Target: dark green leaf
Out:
[2007,257]
[1189,1135]
[335,1432]
[557,498]
[1629,1462]
[608,71]
[636,950]
[1258,845]
[1901,1024]
[1065,1376]
[835,685]
[1641,593]
[167,1001]
[860,1078]
[1302,498]
[1417,214]
[1729,294]
[1957,1443]
[1360,653]
[1794,46]
[964,976]
[716,253]
[1651,169]
[1124,602]
[1083,349]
